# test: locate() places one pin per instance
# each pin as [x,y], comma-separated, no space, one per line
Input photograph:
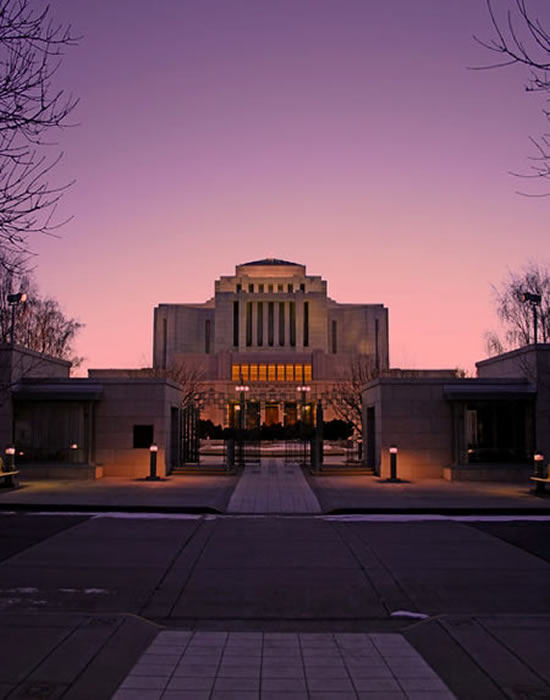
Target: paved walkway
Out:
[273,487]
[275,666]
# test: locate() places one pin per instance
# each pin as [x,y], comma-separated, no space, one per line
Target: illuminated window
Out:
[244,372]
[298,373]
[290,373]
[235,376]
[263,373]
[253,373]
[280,373]
[307,373]
[271,373]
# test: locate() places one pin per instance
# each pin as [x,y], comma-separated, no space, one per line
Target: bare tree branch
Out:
[515,315]
[31,108]
[521,39]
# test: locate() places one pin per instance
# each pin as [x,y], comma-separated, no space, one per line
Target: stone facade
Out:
[272,327]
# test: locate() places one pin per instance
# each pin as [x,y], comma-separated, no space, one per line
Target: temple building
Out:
[273,329]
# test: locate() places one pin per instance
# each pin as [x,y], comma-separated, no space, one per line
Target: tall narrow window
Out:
[251,288]
[207,325]
[164,342]
[261,288]
[377,342]
[236,324]
[269,287]
[249,323]
[292,314]
[270,322]
[239,287]
[302,287]
[306,324]
[333,342]
[281,323]
[260,324]
[290,288]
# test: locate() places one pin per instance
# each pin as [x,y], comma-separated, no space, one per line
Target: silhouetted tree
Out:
[41,324]
[517,316]
[346,398]
[520,38]
[189,378]
[31,108]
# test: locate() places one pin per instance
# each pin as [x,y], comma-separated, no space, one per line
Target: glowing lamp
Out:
[153,448]
[10,451]
[393,450]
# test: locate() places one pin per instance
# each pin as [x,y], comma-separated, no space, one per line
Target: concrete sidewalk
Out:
[185,493]
[278,490]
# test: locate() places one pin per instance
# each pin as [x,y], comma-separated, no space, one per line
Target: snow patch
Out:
[409,613]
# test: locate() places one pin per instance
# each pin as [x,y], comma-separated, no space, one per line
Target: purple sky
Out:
[347,135]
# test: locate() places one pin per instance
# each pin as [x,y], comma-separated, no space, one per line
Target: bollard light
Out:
[10,458]
[538,460]
[153,449]
[393,463]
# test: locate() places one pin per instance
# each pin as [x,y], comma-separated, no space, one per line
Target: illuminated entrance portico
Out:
[273,328]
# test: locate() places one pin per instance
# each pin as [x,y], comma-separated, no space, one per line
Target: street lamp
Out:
[14,300]
[534,300]
[304,390]
[242,389]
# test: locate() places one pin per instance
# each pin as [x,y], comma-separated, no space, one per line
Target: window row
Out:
[270,288]
[264,372]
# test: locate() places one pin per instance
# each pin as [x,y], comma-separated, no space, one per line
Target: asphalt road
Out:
[286,570]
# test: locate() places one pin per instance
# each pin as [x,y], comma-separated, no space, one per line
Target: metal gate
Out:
[190,443]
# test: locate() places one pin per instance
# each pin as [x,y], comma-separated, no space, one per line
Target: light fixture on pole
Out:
[14,300]
[242,389]
[304,390]
[533,300]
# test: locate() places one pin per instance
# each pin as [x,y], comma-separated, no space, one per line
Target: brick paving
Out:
[202,665]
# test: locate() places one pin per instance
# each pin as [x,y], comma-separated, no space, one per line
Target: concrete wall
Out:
[414,416]
[126,403]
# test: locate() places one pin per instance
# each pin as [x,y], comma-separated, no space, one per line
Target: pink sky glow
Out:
[346,135]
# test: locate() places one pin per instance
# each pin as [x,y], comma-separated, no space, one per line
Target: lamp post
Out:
[153,449]
[14,300]
[242,389]
[534,300]
[304,390]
